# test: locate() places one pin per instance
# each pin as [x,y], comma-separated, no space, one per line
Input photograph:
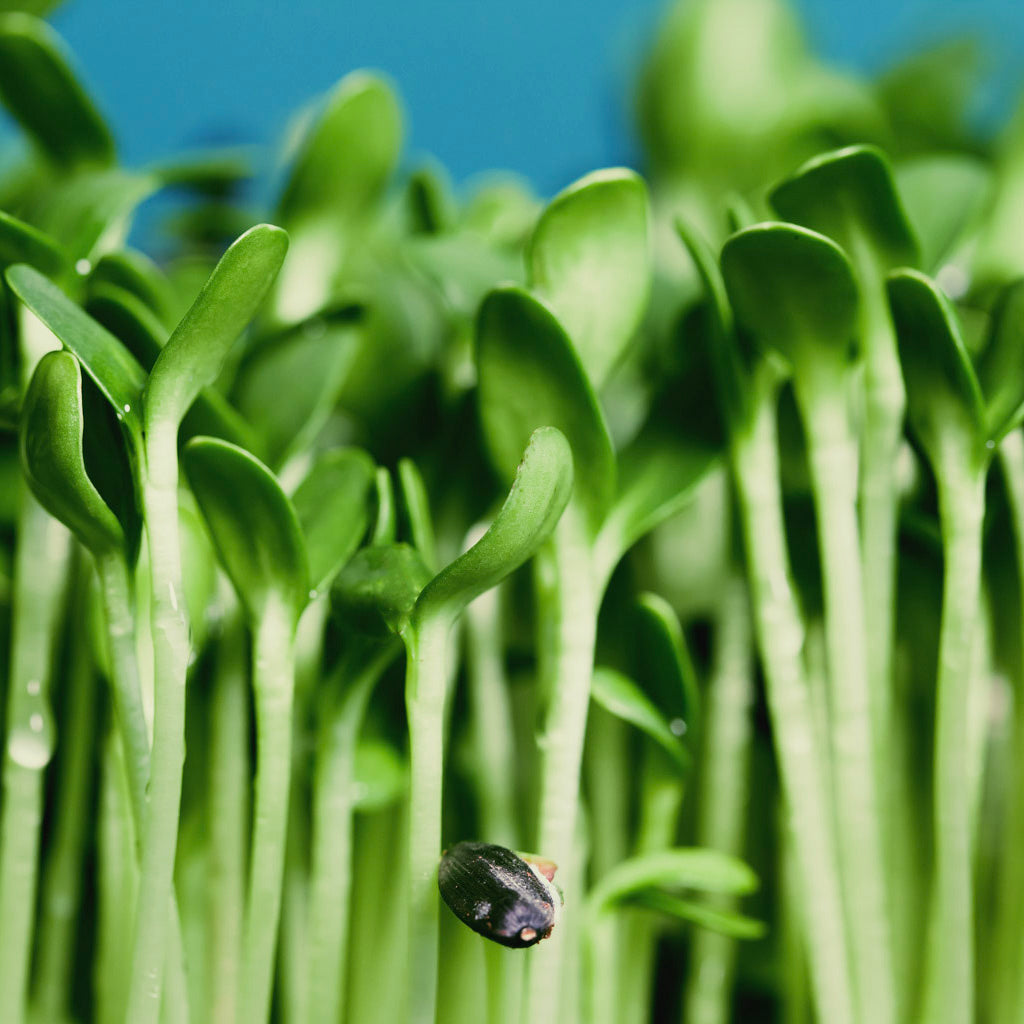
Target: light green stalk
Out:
[725,784]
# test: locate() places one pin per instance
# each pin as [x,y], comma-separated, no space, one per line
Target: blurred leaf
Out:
[716,919]
[664,665]
[196,349]
[432,209]
[39,89]
[134,272]
[214,173]
[1001,370]
[530,376]
[52,456]
[332,505]
[106,360]
[375,593]
[385,526]
[253,526]
[381,775]
[417,508]
[794,290]
[22,243]
[621,697]
[589,259]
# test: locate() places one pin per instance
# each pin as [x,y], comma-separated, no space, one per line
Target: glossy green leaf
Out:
[22,243]
[1001,369]
[530,376]
[589,259]
[253,526]
[681,868]
[42,93]
[794,290]
[944,195]
[352,150]
[51,444]
[116,372]
[417,509]
[663,662]
[622,697]
[716,919]
[530,513]
[377,590]
[943,393]
[381,775]
[850,196]
[195,352]
[134,323]
[333,507]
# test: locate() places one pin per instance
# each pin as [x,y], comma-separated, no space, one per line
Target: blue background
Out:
[536,86]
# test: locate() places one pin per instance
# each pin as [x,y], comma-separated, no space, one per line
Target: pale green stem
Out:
[40,571]
[170,664]
[799,748]
[293,946]
[570,630]
[1007,997]
[62,876]
[426,684]
[331,860]
[228,796]
[792,944]
[949,967]
[118,877]
[273,688]
[506,971]
[832,455]
[725,784]
[492,729]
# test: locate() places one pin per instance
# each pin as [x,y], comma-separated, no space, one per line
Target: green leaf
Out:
[106,360]
[134,272]
[195,352]
[1001,370]
[529,377]
[51,443]
[663,661]
[417,508]
[794,290]
[385,526]
[22,243]
[377,590]
[432,209]
[944,398]
[381,775]
[716,919]
[849,195]
[530,513]
[253,526]
[680,868]
[39,89]
[332,505]
[346,160]
[216,173]
[137,326]
[589,259]
[945,195]
[624,699]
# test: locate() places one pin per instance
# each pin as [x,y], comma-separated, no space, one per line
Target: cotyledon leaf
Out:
[333,507]
[530,513]
[50,439]
[253,526]
[1001,368]
[589,258]
[417,508]
[196,349]
[622,697]
[716,919]
[38,87]
[116,372]
[530,376]
[23,243]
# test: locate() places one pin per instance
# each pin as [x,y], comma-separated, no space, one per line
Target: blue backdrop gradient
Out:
[537,86]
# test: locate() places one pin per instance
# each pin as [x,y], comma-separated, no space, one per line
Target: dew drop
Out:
[990,445]
[678,726]
[35,722]
[127,407]
[312,595]
[28,749]
[33,687]
[83,266]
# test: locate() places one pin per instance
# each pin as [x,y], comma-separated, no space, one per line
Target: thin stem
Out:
[832,454]
[724,791]
[333,808]
[569,634]
[170,664]
[228,821]
[1008,954]
[506,969]
[64,870]
[426,679]
[949,967]
[800,752]
[273,686]
[40,573]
